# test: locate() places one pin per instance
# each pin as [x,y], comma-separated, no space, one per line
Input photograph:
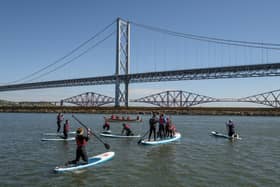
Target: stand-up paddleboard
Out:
[161,141]
[58,134]
[106,132]
[58,139]
[217,134]
[119,135]
[91,161]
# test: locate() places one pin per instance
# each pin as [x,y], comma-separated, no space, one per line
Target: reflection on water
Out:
[198,159]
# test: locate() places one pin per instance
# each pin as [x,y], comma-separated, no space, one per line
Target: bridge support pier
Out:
[122,62]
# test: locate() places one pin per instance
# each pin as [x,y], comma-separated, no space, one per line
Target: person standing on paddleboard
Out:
[81,142]
[153,121]
[230,127]
[66,128]
[59,119]
[161,126]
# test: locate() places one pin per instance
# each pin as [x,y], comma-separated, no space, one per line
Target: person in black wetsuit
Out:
[153,121]
[59,119]
[81,142]
[230,127]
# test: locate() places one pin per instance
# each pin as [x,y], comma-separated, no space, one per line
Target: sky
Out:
[36,33]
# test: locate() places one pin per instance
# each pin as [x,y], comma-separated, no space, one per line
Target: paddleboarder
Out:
[161,123]
[230,127]
[59,119]
[66,128]
[81,142]
[153,121]
[106,126]
[126,129]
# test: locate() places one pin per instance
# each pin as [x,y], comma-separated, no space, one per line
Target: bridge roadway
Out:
[244,71]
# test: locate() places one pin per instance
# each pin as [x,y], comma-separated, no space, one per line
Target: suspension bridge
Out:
[122,76]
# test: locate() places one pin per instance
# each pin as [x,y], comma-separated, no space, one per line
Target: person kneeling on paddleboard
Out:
[230,126]
[81,142]
[127,130]
[106,126]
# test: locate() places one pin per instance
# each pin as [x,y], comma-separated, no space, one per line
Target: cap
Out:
[80,131]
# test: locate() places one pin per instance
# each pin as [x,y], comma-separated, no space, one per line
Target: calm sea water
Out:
[198,159]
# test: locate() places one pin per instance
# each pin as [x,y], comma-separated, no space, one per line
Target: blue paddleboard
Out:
[91,162]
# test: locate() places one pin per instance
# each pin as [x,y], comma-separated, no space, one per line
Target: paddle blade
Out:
[107,146]
[139,141]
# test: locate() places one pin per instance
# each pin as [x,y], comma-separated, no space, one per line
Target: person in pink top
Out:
[66,128]
[126,129]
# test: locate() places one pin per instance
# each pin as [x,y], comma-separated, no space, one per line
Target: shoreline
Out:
[240,111]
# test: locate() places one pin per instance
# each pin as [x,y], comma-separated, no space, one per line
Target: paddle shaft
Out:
[105,144]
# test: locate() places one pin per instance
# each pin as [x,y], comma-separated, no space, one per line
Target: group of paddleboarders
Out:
[165,129]
[116,117]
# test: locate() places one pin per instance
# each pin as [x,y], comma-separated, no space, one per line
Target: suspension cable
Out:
[74,58]
[271,46]
[63,57]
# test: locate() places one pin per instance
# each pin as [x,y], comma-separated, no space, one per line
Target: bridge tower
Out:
[122,61]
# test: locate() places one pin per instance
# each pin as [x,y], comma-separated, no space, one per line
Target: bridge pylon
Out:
[122,62]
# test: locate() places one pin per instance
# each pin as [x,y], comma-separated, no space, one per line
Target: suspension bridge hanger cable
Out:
[271,46]
[73,59]
[65,56]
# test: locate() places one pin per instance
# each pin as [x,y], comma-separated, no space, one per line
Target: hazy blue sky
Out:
[35,33]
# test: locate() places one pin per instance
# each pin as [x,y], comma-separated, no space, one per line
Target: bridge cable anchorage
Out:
[65,56]
[73,59]
[260,45]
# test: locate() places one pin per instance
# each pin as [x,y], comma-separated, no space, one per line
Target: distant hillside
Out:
[4,102]
[24,103]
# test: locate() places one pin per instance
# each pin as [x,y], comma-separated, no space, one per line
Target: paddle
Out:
[143,136]
[107,146]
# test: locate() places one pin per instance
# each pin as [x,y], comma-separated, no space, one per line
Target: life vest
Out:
[127,127]
[161,120]
[66,127]
[81,141]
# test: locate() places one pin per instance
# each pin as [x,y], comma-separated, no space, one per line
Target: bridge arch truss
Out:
[89,99]
[175,98]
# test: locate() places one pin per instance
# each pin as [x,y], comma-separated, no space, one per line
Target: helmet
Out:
[80,131]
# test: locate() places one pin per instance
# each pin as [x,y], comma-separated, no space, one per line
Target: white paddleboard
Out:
[57,134]
[161,141]
[58,139]
[119,135]
[91,162]
[217,134]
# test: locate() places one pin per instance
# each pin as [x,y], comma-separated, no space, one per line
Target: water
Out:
[198,159]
